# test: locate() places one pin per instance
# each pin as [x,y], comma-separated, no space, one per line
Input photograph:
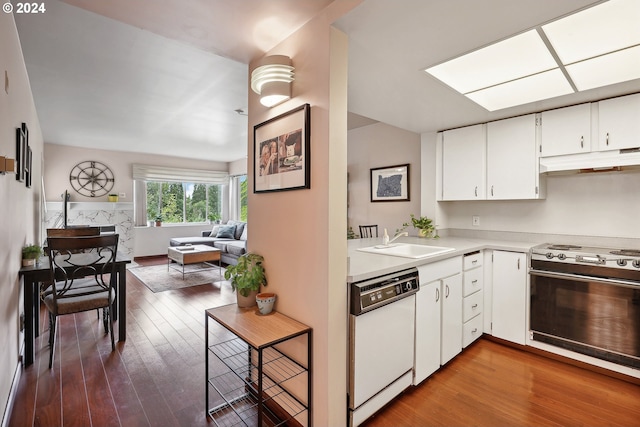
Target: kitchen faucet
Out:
[385,237]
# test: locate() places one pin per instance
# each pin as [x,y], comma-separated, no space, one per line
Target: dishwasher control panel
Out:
[371,294]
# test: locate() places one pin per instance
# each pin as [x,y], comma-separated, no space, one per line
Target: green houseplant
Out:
[424,225]
[30,253]
[159,221]
[246,278]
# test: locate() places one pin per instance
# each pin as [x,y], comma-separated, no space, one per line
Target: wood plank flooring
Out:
[156,378]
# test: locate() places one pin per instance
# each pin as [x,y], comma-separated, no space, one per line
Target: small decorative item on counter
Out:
[159,221]
[113,197]
[265,302]
[424,225]
[351,234]
[30,255]
[246,278]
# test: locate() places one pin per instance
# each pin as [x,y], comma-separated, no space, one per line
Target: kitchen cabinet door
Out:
[619,123]
[512,159]
[464,163]
[451,338]
[509,296]
[566,131]
[427,349]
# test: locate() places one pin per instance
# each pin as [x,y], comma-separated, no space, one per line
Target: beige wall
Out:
[60,159]
[20,206]
[375,146]
[301,233]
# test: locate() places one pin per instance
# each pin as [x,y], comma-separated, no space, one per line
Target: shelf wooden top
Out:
[255,329]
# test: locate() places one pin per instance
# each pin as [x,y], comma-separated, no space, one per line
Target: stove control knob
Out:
[636,263]
[621,262]
[561,256]
[549,255]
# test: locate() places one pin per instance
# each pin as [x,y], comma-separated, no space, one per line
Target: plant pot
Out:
[265,302]
[424,233]
[158,223]
[113,197]
[248,301]
[28,262]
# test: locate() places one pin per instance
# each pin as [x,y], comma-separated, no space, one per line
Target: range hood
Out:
[599,161]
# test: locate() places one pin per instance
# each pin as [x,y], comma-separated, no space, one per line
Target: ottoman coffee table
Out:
[193,254]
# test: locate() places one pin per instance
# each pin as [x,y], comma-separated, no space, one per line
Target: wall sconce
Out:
[272,78]
[7,165]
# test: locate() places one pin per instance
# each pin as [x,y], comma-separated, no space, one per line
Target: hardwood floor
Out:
[156,378]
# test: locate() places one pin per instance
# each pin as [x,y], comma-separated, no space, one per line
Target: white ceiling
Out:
[165,76]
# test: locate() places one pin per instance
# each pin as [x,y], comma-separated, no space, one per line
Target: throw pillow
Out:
[214,230]
[244,233]
[226,231]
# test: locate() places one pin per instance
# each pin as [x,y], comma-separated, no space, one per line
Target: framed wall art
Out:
[282,152]
[21,152]
[390,184]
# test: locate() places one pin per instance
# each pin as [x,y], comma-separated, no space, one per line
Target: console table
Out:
[255,379]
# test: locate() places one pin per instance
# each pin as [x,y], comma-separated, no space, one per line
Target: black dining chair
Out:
[367,231]
[82,273]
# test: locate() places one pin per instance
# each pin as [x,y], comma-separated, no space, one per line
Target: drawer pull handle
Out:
[474,281]
[474,330]
[474,306]
[475,261]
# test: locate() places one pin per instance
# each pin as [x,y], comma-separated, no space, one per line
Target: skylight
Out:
[595,47]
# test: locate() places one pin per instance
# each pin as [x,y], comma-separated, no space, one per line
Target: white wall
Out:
[374,146]
[599,205]
[20,206]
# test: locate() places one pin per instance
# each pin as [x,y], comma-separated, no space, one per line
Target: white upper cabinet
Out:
[512,160]
[464,163]
[566,131]
[619,123]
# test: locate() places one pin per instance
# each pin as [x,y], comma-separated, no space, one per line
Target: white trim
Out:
[12,395]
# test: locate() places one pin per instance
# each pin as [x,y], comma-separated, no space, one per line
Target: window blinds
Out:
[168,174]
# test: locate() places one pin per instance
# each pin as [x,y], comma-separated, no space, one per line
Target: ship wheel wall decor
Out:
[91,178]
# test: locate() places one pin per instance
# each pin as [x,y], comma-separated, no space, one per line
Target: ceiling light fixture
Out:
[592,48]
[272,78]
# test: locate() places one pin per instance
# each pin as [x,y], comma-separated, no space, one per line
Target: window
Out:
[181,202]
[179,196]
[239,197]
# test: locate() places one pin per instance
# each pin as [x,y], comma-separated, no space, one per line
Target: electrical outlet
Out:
[475,221]
[123,195]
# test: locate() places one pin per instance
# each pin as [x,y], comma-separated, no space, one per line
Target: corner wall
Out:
[20,205]
[375,146]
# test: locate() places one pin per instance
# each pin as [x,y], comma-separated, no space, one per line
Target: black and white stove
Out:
[628,259]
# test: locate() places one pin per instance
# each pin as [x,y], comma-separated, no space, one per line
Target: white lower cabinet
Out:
[473,298]
[438,316]
[509,299]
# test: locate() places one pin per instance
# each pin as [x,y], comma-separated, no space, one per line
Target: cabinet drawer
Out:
[472,281]
[472,306]
[471,331]
[472,261]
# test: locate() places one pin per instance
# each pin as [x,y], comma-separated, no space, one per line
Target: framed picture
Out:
[29,169]
[21,154]
[281,152]
[390,184]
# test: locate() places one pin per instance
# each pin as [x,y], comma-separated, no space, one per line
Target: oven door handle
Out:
[580,278]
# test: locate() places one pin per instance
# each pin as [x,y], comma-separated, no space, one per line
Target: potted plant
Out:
[425,226]
[159,221]
[246,278]
[30,254]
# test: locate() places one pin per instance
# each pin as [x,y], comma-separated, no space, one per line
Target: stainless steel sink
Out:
[406,250]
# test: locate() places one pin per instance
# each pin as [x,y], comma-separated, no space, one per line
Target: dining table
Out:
[33,276]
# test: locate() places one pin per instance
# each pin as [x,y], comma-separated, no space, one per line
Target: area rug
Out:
[158,279]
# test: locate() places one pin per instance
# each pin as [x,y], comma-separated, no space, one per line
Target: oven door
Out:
[599,317]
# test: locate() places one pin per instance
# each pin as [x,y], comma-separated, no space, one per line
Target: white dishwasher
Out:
[381,341]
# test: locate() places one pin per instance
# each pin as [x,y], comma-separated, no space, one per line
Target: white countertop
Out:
[363,265]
